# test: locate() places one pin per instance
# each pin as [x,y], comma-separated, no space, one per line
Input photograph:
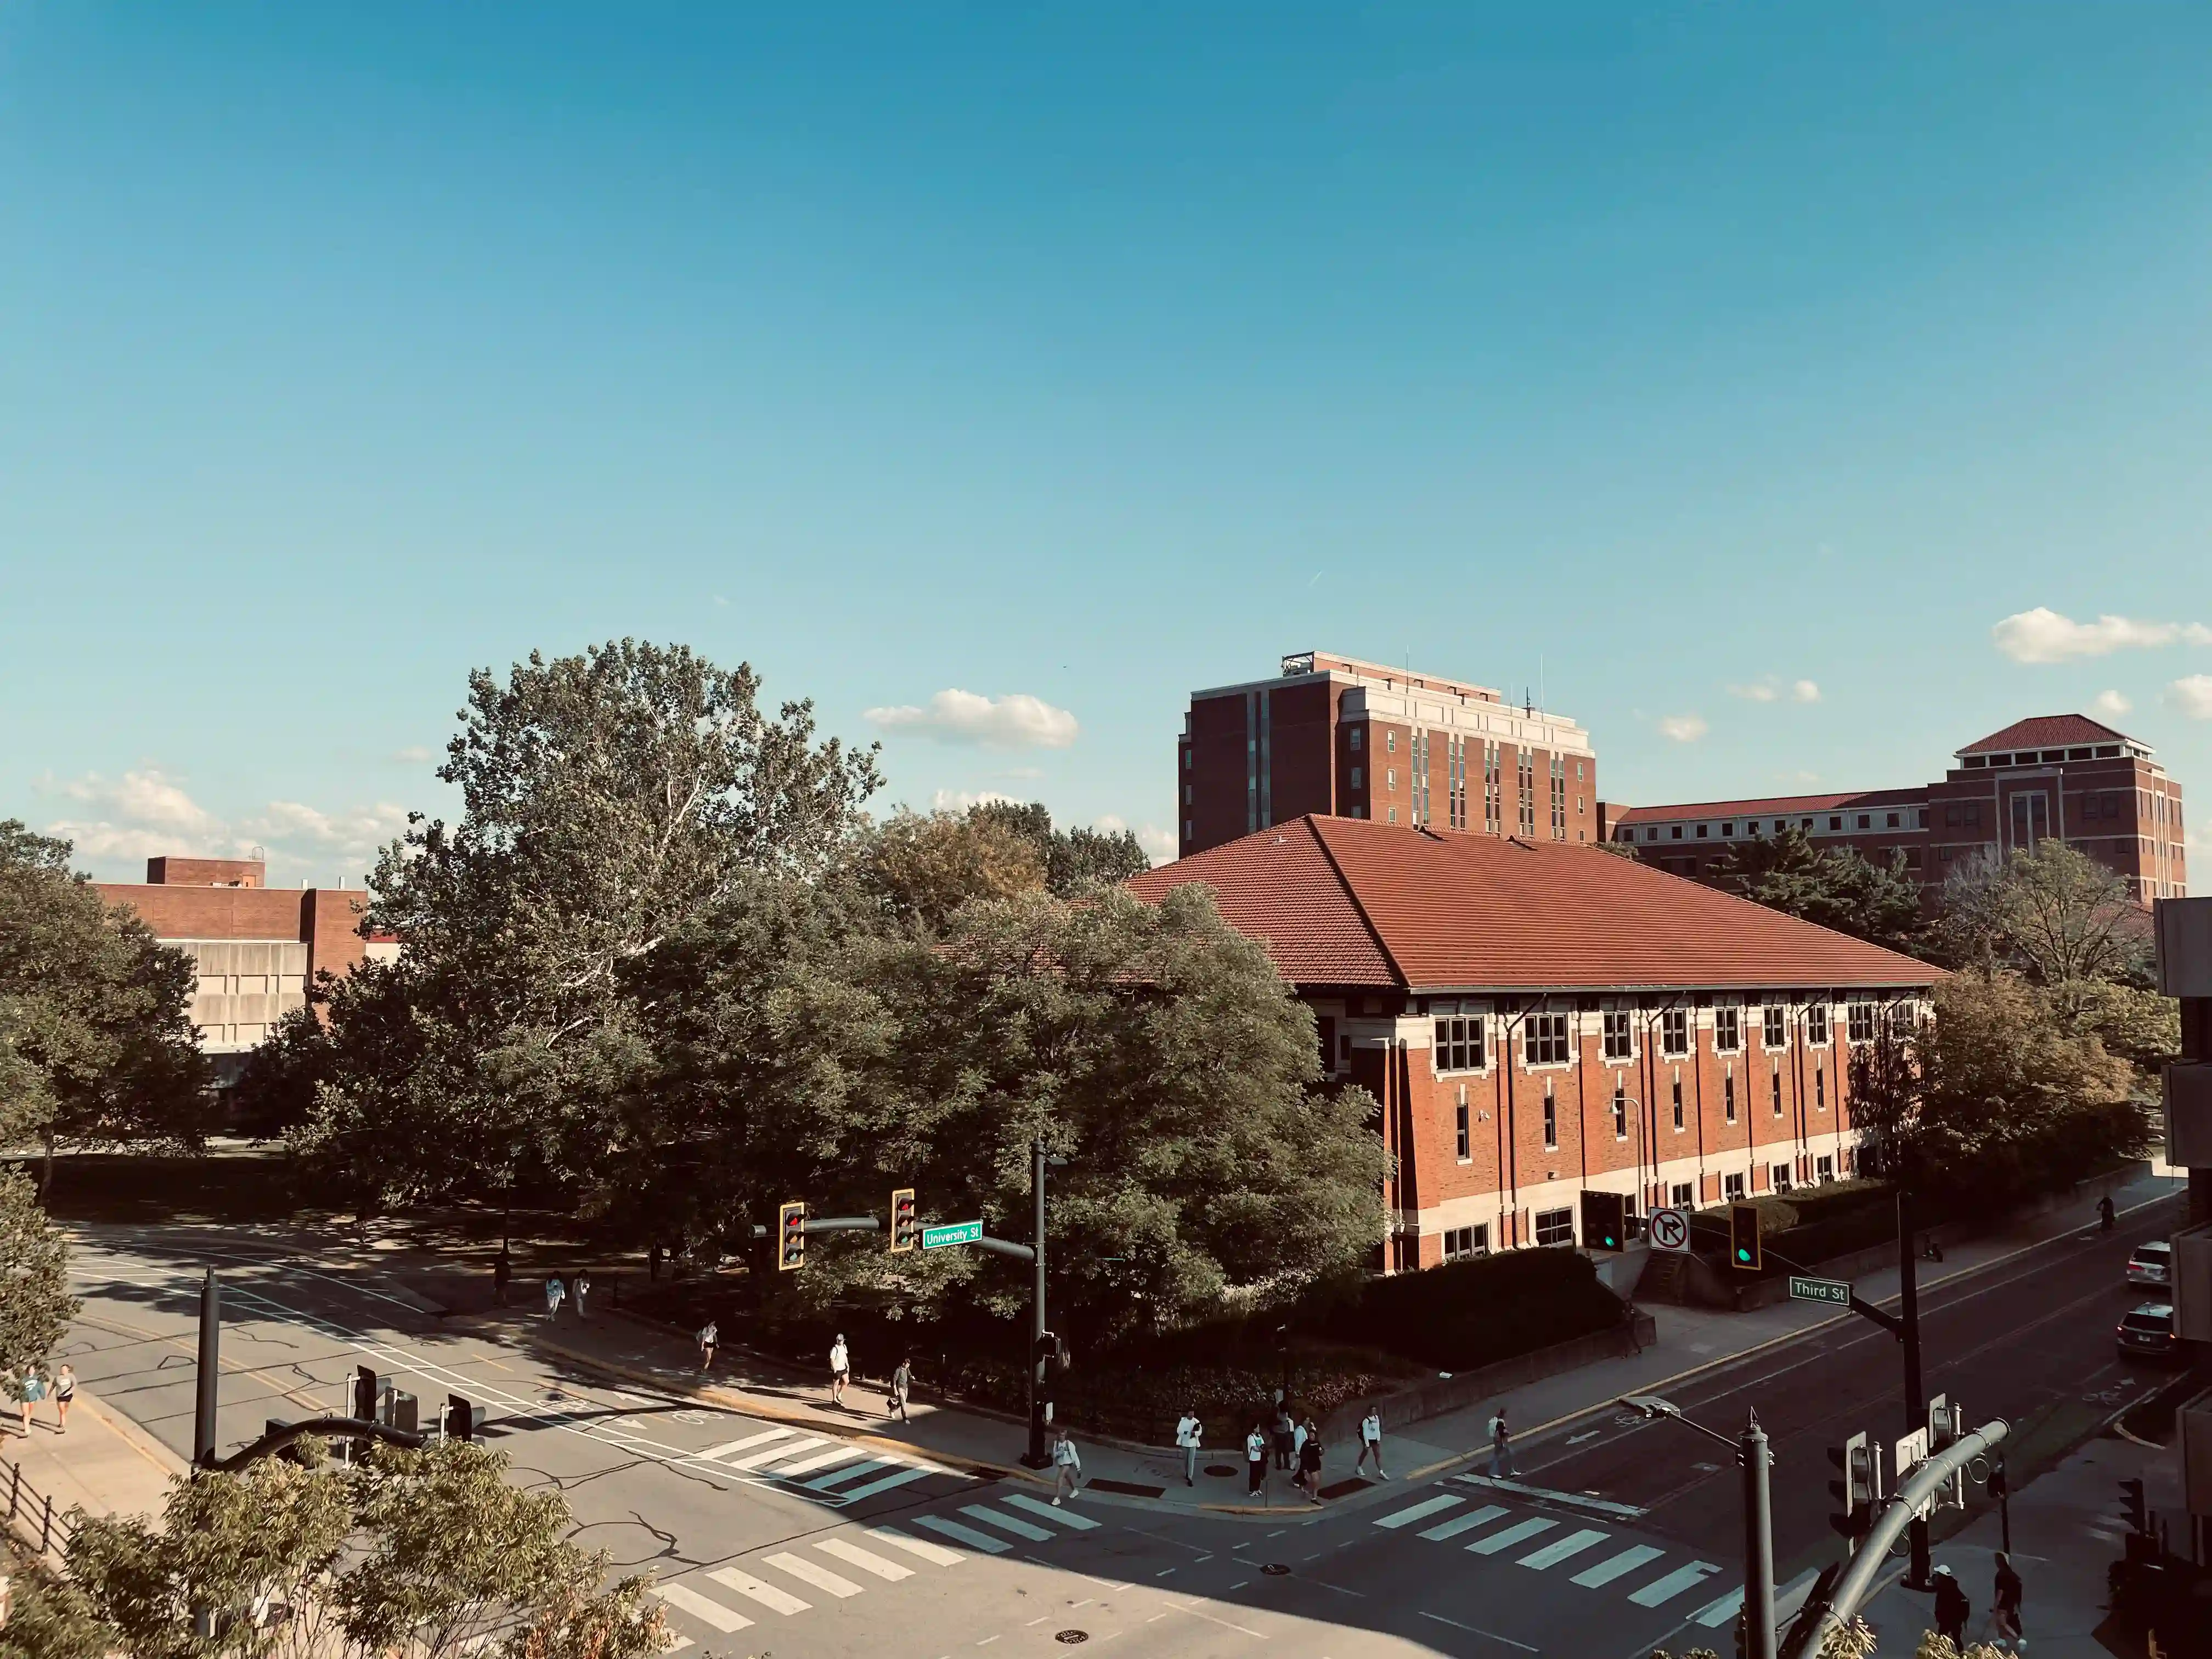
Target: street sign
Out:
[953,1232]
[1670,1229]
[1838,1291]
[1910,1453]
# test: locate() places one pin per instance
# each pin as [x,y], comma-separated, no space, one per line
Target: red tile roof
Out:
[1776,805]
[1349,902]
[2047,731]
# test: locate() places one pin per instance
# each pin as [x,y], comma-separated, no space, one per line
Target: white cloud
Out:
[413,755]
[1804,691]
[1683,728]
[2111,702]
[1159,844]
[959,800]
[2043,635]
[1762,692]
[147,813]
[1770,690]
[360,832]
[150,798]
[2192,696]
[1016,720]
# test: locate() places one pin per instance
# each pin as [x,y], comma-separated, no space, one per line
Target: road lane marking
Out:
[900,1479]
[1666,1590]
[701,1607]
[1406,1517]
[767,1595]
[844,1454]
[936,1554]
[1580,1500]
[1064,1517]
[1613,1566]
[967,1535]
[1471,1631]
[1518,1533]
[729,1446]
[866,1560]
[1467,1523]
[1551,1554]
[1788,1598]
[809,1572]
[1005,1523]
[1196,1611]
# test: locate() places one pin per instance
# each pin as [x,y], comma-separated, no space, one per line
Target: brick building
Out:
[1538,1018]
[1355,739]
[257,947]
[2062,776]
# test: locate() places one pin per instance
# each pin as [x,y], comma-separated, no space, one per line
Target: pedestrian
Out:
[1309,1461]
[34,1390]
[2105,1213]
[1370,1441]
[1256,1461]
[708,1336]
[652,1261]
[582,1286]
[1066,1465]
[65,1394]
[556,1292]
[502,1271]
[2004,1617]
[1190,1435]
[1952,1608]
[840,1370]
[1501,1447]
[902,1385]
[1286,1431]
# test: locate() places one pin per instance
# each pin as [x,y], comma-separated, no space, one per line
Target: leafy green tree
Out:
[2054,913]
[51,1619]
[1834,887]
[1076,861]
[35,1305]
[922,868]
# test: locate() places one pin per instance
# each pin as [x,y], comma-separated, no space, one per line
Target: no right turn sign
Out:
[1670,1229]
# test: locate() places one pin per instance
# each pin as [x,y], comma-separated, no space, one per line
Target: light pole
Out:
[1752,1453]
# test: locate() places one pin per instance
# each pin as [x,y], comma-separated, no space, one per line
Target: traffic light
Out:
[461,1417]
[791,1238]
[1604,1224]
[905,1233]
[2131,1495]
[1859,1489]
[1743,1237]
[1945,1428]
[364,1394]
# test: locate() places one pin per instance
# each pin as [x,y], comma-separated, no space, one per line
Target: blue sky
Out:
[1668,354]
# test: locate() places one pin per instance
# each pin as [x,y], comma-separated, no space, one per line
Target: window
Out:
[1823,1169]
[1861,1021]
[1546,1042]
[1892,824]
[1728,829]
[1559,797]
[1463,1243]
[1678,1105]
[1774,1030]
[1186,794]
[1781,1173]
[1703,829]
[1816,1023]
[1674,1031]
[1390,741]
[1973,815]
[1777,1091]
[1620,1113]
[1525,776]
[1394,815]
[1355,777]
[1728,1097]
[1728,1029]
[1866,821]
[1674,831]
[1466,1135]
[1683,1196]
[1619,1034]
[1555,1227]
[1550,1123]
[1835,824]
[1819,1090]
[1459,1043]
[1951,815]
[1732,1188]
[1390,777]
[1355,739]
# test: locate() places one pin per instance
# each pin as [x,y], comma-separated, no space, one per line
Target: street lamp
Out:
[1751,1453]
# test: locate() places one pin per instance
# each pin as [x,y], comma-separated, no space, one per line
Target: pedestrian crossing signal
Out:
[1604,1221]
[1743,1237]
[906,1233]
[791,1238]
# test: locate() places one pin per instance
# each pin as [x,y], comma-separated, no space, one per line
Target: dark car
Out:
[2148,1332]
[2151,1267]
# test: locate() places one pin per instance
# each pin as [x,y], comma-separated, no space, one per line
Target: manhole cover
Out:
[1221,1469]
[1070,1637]
[1274,1570]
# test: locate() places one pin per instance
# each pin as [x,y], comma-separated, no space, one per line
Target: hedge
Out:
[1468,1314]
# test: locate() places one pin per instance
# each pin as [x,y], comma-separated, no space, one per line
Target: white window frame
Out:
[1560,1224]
[1771,1016]
[1734,1188]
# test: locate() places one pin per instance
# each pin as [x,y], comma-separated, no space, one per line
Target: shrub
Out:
[1467,1313]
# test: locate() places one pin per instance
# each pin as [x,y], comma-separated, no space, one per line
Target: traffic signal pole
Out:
[209,1378]
[1916,1391]
[1758,1543]
[1037,1456]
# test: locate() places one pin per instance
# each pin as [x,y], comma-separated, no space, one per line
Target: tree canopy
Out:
[1836,887]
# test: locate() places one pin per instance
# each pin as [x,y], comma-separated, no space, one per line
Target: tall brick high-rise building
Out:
[1354,739]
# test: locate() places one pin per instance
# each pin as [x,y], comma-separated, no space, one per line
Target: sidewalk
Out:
[105,1465]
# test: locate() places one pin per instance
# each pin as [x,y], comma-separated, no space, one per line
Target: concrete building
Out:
[2055,775]
[1537,1017]
[1354,739]
[257,947]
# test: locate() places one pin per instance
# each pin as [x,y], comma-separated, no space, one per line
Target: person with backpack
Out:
[1501,1447]
[1952,1608]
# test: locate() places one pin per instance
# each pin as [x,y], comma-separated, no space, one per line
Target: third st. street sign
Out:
[953,1232]
[1838,1291]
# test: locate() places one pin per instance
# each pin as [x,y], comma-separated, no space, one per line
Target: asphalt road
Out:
[763,1542]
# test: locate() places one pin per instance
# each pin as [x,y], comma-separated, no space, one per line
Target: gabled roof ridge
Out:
[1351,892]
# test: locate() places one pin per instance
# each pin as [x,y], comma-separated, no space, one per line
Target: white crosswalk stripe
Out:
[851,1472]
[1059,1517]
[967,1535]
[1406,1516]
[1519,1532]
[866,1560]
[775,1600]
[1557,1550]
[1005,1523]
[774,1454]
[702,1608]
[819,1460]
[729,1446]
[1614,1566]
[1467,1523]
[935,1554]
[1659,1590]
[897,1478]
[812,1573]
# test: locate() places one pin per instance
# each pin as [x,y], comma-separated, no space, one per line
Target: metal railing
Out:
[33,1514]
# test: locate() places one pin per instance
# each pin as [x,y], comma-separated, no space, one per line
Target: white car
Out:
[2152,1264]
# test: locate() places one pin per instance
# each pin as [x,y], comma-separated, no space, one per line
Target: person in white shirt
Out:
[1370,1442]
[1066,1467]
[708,1335]
[1256,1461]
[841,1370]
[1189,1433]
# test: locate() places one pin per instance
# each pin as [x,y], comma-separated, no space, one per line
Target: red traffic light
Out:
[791,1238]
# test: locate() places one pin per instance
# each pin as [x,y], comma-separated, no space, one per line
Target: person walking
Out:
[1309,1461]
[65,1395]
[902,1385]
[1256,1461]
[503,1271]
[707,1334]
[34,1390]
[1370,1441]
[840,1370]
[555,1293]
[1286,1442]
[1190,1435]
[1952,1608]
[2105,1213]
[2004,1606]
[582,1286]
[1066,1467]
[1501,1447]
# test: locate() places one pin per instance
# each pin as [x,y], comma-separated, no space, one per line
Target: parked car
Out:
[2147,1332]
[2152,1264]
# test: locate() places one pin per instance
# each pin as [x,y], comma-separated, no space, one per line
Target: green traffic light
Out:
[1742,1255]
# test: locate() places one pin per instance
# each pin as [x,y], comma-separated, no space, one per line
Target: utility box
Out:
[2185,1087]
[2184,946]
[2195,1422]
[2189,1283]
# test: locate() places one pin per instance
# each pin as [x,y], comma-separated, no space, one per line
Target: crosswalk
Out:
[821,1467]
[1597,1557]
[830,1569]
